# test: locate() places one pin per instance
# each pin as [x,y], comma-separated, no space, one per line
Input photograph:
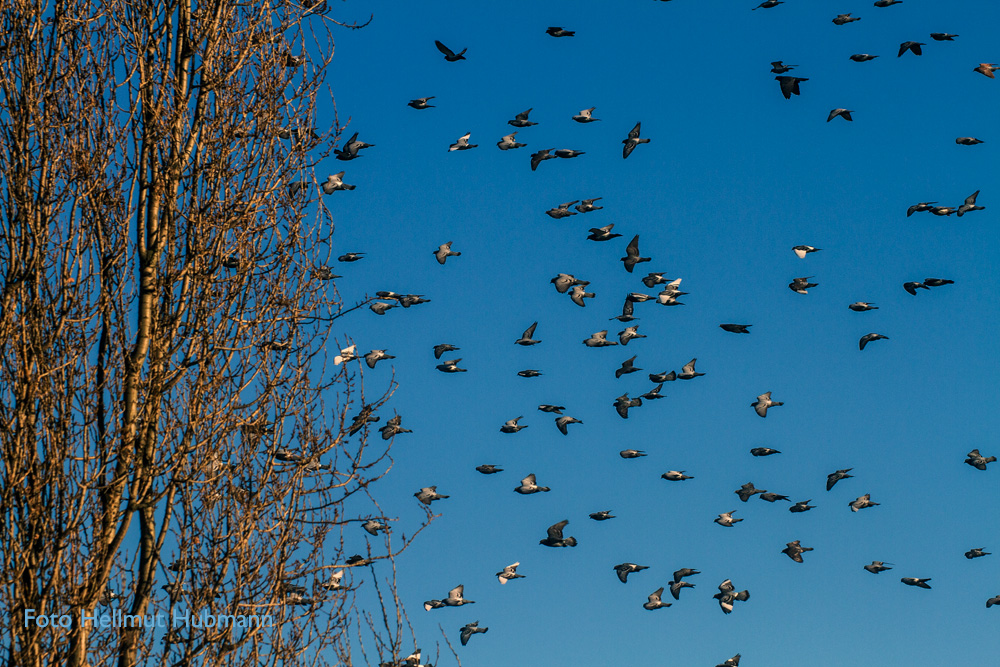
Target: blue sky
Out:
[735,175]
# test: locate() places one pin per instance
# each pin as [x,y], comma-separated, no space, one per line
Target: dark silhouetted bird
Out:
[351,148]
[562,422]
[978,461]
[976,553]
[623,403]
[654,393]
[451,366]
[507,142]
[769,4]
[968,141]
[970,205]
[663,377]
[631,453]
[351,257]
[557,31]
[335,182]
[450,55]
[528,486]
[987,69]
[511,425]
[587,205]
[789,85]
[862,306]
[778,67]
[867,338]
[943,36]
[392,427]
[603,515]
[688,372]
[625,569]
[748,490]
[429,494]
[540,156]
[521,120]
[914,581]
[376,356]
[469,630]
[843,113]
[633,140]
[912,287]
[732,662]
[525,338]
[627,367]
[863,57]
[772,497]
[489,469]
[801,506]
[919,208]
[736,328]
[794,550]
[887,3]
[564,281]
[442,348]
[877,566]
[586,116]
[529,373]
[676,585]
[557,409]
[421,103]
[910,46]
[802,285]
[992,601]
[599,339]
[602,233]
[561,211]
[462,143]
[835,477]
[844,19]
[555,536]
[763,451]
[567,153]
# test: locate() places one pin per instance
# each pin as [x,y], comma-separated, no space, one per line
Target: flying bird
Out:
[540,156]
[335,182]
[726,519]
[801,285]
[943,36]
[373,526]
[427,495]
[676,585]
[562,422]
[627,367]
[663,377]
[587,205]
[877,566]
[421,103]
[526,338]
[631,453]
[764,402]
[987,69]
[556,409]
[442,348]
[763,451]
[862,306]
[688,372]
[586,116]
[633,140]
[469,630]
[555,536]
[769,4]
[630,333]
[863,57]
[462,143]
[862,502]
[561,211]
[867,338]
[622,404]
[675,476]
[602,233]
[456,597]
[919,208]
[557,31]
[802,250]
[773,497]
[794,550]
[489,469]
[376,356]
[844,19]
[603,515]
[968,141]
[736,328]
[351,257]
[727,595]
[801,506]
[835,477]
[970,204]
[528,486]
[511,425]
[444,251]
[843,113]
[914,581]
[507,142]
[564,281]
[912,287]
[978,461]
[351,148]
[625,569]
[778,67]
[748,490]
[910,46]
[732,662]
[655,601]
[451,366]
[509,573]
[578,294]
[976,553]
[789,85]
[529,373]
[887,3]
[392,427]
[567,153]
[450,55]
[654,393]
[992,601]
[521,120]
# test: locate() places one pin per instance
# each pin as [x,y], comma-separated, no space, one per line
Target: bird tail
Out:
[991,459]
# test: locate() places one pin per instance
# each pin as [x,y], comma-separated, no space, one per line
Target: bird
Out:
[794,550]
[562,211]
[427,495]
[654,393]
[521,120]
[451,366]
[763,451]
[769,4]
[867,338]
[557,31]
[567,153]
[976,553]
[978,461]
[511,425]
[625,569]
[773,497]
[663,377]
[914,581]
[373,526]
[450,55]
[736,328]
[509,573]
[555,536]
[392,427]
[843,19]
[627,367]
[442,348]
[726,519]
[943,36]
[968,141]
[349,353]
[578,294]
[540,156]
[764,402]
[992,601]
[843,113]
[987,69]
[470,629]
[351,148]
[462,143]
[421,103]
[456,597]
[918,208]
[654,279]
[912,287]
[862,306]
[564,281]
[562,422]
[631,453]
[528,486]
[526,338]
[746,491]
[586,116]
[654,601]
[732,662]
[862,57]
[943,211]
[629,333]
[778,67]
[603,515]
[675,476]
[910,46]
[587,205]
[676,585]
[444,251]
[335,182]
[507,142]
[632,140]
[688,372]
[622,404]
[489,469]
[376,356]
[970,204]
[789,85]
[602,233]
[862,502]
[727,595]
[834,477]
[877,566]
[556,409]
[334,582]
[529,373]
[801,506]
[351,257]
[362,418]
[887,3]
[802,285]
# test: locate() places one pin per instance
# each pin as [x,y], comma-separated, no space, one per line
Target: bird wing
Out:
[457,592]
[634,132]
[529,480]
[555,531]
[633,247]
[530,331]
[523,115]
[443,49]
[689,366]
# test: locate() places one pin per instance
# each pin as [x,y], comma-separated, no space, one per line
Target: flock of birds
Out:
[669,292]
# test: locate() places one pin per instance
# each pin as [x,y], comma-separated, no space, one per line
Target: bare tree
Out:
[176,438]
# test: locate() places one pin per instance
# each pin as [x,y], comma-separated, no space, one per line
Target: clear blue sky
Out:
[735,175]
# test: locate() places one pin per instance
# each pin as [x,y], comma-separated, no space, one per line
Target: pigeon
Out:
[564,281]
[632,141]
[567,153]
[507,142]
[351,148]
[654,279]
[914,581]
[324,273]
[392,427]
[362,418]
[912,287]
[602,233]
[297,598]
[421,103]
[877,566]
[451,366]
[867,338]
[376,356]
[843,113]
[335,182]
[789,85]
[578,294]
[555,536]
[748,490]
[801,285]
[557,409]
[521,120]
[450,55]
[469,630]
[801,506]
[444,251]
[764,402]
[540,156]
[676,585]
[372,527]
[562,422]
[992,601]
[630,332]
[627,309]
[835,477]
[347,354]
[675,476]
[943,211]
[978,461]
[622,404]
[638,297]
[727,595]
[987,69]
[528,486]
[625,569]
[736,328]
[910,46]
[794,550]
[441,349]
[769,4]
[351,257]
[408,300]
[763,451]
[357,561]
[525,338]
[654,601]
[863,57]
[561,211]
[511,425]
[732,662]
[455,596]
[603,515]
[688,372]
[489,469]
[587,205]
[663,377]
[843,19]
[778,67]
[559,32]
[462,143]
[427,495]
[862,306]
[772,497]
[970,204]
[684,572]
[943,36]
[968,141]
[529,373]
[976,553]
[887,3]
[509,573]
[287,456]
[586,116]
[726,519]
[334,582]
[919,208]
[631,453]
[668,297]
[654,393]
[627,367]
[433,604]
[862,502]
